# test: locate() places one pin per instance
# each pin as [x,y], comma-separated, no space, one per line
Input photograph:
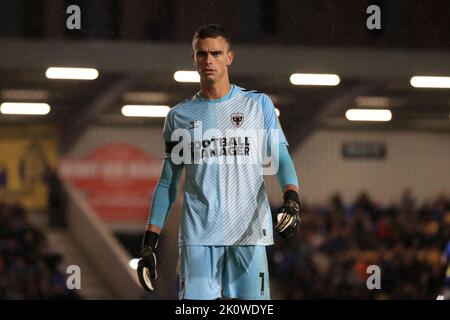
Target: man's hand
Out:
[287,218]
[147,264]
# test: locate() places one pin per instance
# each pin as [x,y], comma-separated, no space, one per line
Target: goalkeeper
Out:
[226,220]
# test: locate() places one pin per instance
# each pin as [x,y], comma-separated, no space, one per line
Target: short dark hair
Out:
[212,31]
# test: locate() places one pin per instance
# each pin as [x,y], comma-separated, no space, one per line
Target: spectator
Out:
[28,270]
[329,257]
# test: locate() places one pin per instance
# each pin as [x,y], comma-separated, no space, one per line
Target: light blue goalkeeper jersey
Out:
[225,201]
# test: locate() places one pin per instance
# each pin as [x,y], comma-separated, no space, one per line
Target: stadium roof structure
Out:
[142,72]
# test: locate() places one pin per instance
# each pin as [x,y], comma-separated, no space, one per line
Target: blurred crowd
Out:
[29,269]
[327,259]
[330,255]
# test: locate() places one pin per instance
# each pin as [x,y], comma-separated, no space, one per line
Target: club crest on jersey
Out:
[237,119]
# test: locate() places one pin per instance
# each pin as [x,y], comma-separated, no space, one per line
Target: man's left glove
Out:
[147,263]
[287,218]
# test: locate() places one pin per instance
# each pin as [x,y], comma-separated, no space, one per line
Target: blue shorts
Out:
[210,272]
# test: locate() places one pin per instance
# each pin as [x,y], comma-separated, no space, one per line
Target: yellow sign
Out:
[27,154]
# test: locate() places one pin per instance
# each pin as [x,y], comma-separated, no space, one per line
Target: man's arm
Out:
[163,199]
[153,228]
[287,219]
[164,195]
[286,175]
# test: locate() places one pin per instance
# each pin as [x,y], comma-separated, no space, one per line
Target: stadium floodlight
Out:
[71,73]
[314,79]
[155,111]
[186,76]
[368,115]
[26,108]
[430,82]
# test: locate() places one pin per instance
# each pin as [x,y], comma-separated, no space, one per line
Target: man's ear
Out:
[230,57]
[193,60]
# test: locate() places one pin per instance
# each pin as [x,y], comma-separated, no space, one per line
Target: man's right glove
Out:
[147,264]
[287,218]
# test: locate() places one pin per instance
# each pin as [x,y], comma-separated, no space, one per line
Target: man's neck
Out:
[215,91]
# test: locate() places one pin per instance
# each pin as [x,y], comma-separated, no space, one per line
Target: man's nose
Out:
[209,58]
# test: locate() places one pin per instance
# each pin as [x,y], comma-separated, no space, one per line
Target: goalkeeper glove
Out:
[287,218]
[147,263]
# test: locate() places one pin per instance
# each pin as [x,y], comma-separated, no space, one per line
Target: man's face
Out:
[211,57]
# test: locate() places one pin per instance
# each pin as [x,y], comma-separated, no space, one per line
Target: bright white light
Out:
[368,115]
[131,110]
[277,111]
[71,73]
[440,297]
[313,79]
[430,82]
[24,108]
[133,264]
[186,76]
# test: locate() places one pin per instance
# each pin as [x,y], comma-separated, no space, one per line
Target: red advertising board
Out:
[117,180]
